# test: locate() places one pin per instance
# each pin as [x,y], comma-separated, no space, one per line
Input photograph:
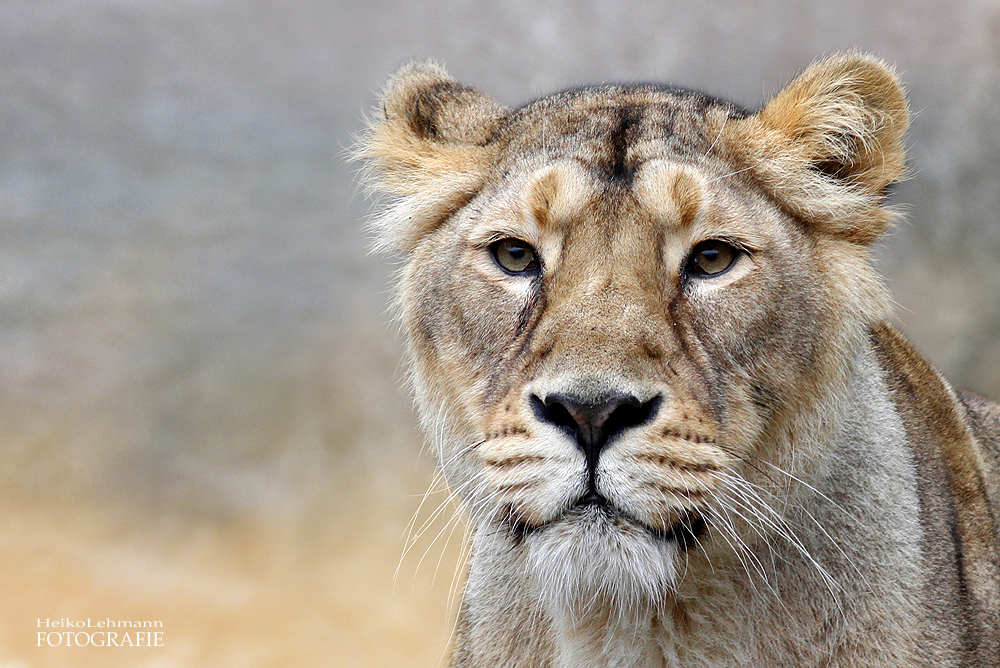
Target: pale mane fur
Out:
[651,353]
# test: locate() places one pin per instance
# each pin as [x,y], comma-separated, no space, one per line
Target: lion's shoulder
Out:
[918,388]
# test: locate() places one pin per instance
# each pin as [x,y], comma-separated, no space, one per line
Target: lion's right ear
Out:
[428,147]
[830,143]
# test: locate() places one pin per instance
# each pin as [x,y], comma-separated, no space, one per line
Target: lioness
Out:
[653,356]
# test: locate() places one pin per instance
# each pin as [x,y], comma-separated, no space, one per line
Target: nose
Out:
[594,422]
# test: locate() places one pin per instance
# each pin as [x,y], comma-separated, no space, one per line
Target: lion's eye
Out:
[514,256]
[711,257]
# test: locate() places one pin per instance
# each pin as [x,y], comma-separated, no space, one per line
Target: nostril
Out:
[555,412]
[630,414]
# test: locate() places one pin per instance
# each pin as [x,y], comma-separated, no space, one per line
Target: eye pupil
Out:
[514,256]
[711,257]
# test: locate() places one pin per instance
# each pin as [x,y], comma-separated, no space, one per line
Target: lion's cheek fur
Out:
[457,330]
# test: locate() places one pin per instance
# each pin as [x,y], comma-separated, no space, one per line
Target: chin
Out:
[595,556]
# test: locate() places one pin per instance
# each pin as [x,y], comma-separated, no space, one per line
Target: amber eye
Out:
[514,256]
[711,257]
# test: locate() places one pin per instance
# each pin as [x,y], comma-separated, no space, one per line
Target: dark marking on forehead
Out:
[624,131]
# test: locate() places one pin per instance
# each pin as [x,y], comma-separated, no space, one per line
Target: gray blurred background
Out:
[202,418]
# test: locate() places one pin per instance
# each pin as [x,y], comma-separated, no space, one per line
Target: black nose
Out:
[594,422]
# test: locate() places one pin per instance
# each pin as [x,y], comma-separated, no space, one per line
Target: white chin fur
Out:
[588,559]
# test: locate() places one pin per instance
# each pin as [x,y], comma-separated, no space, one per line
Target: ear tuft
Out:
[831,142]
[428,148]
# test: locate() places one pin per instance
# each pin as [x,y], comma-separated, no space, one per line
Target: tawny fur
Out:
[666,466]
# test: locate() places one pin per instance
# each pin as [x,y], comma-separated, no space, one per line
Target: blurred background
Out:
[203,420]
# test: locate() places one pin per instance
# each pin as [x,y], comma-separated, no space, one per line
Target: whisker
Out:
[722,512]
[451,498]
[411,539]
[814,490]
[434,541]
[454,521]
[726,176]
[748,496]
[717,137]
[832,585]
[463,555]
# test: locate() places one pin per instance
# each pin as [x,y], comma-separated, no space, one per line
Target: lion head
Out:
[625,305]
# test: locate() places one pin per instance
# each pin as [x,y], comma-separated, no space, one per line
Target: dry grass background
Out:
[203,419]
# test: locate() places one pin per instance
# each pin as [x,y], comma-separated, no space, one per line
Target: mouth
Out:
[597,512]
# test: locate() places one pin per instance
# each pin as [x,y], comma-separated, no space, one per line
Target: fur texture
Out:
[652,355]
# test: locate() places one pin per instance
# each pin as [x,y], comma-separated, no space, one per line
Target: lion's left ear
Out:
[830,143]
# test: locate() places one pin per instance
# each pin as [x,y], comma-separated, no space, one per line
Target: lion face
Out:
[612,354]
[617,302]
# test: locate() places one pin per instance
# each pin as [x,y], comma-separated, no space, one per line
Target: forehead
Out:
[613,130]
